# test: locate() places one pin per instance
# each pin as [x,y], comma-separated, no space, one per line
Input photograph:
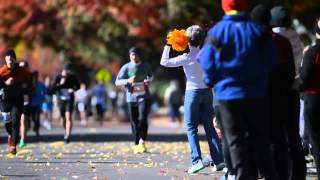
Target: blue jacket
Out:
[237,57]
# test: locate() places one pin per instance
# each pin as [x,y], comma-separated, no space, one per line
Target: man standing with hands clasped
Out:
[135,77]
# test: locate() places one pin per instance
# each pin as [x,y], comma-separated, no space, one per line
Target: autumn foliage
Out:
[48,32]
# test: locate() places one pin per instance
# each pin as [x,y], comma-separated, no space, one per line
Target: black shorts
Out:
[27,110]
[66,106]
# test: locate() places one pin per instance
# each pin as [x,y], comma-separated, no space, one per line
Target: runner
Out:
[26,110]
[12,101]
[81,101]
[36,101]
[66,84]
[47,105]
[99,97]
[135,76]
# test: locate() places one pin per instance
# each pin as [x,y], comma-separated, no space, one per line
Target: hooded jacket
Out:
[237,58]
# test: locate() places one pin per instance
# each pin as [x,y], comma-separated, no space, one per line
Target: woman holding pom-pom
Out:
[198,97]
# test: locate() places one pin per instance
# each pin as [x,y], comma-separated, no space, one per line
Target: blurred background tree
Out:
[96,34]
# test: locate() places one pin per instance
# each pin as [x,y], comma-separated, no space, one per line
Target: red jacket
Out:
[20,75]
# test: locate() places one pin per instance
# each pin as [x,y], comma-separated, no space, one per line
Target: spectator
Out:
[310,75]
[237,58]
[135,76]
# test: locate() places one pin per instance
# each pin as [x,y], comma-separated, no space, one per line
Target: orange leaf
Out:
[178,40]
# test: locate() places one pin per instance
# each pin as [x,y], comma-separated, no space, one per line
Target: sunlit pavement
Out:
[104,152]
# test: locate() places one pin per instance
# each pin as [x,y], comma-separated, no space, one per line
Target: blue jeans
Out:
[198,106]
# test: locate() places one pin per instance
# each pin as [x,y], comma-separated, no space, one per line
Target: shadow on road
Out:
[107,137]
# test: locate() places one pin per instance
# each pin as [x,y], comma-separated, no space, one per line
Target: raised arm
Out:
[173,62]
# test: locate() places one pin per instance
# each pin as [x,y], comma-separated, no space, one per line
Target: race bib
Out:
[64,94]
[138,88]
[5,117]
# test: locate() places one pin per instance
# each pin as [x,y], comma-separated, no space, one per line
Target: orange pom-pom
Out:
[178,39]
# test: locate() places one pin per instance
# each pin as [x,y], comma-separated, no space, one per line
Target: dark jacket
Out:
[14,93]
[283,74]
[71,82]
[310,70]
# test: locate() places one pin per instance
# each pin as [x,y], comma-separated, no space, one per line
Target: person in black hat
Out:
[310,75]
[65,85]
[281,22]
[135,76]
[280,90]
[12,101]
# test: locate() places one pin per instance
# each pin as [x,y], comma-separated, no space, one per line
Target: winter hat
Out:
[195,34]
[134,50]
[261,14]
[233,5]
[11,53]
[280,17]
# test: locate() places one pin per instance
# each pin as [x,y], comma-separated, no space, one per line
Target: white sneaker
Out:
[47,125]
[196,167]
[231,177]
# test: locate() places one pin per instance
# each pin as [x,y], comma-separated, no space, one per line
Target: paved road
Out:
[103,153]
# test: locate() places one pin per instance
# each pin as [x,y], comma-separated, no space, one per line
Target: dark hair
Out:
[197,38]
[11,53]
[134,50]
[280,17]
[261,14]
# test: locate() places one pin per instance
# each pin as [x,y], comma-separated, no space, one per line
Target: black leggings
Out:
[138,113]
[35,117]
[13,127]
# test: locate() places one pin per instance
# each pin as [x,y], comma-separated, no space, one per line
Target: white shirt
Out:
[81,95]
[191,67]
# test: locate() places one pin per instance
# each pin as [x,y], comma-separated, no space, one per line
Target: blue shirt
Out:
[39,96]
[237,58]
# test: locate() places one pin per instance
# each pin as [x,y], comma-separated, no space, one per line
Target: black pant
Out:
[297,163]
[13,127]
[100,111]
[35,117]
[138,113]
[225,147]
[246,130]
[66,106]
[279,118]
[312,118]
